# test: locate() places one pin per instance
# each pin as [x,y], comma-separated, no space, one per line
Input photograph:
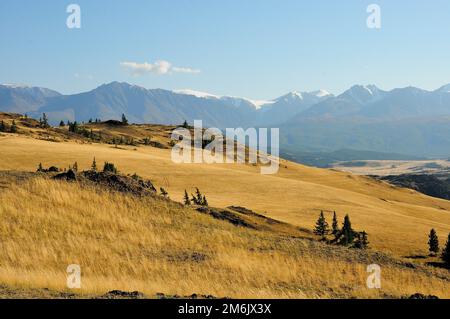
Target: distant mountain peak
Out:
[16,86]
[196,93]
[320,93]
[371,89]
[294,95]
[445,88]
[362,93]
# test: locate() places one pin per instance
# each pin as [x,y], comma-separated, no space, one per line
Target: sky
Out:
[259,49]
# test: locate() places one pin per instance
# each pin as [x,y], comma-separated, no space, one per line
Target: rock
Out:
[120,183]
[68,176]
[422,296]
[119,294]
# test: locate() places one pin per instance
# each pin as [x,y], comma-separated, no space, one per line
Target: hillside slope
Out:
[155,246]
[397,220]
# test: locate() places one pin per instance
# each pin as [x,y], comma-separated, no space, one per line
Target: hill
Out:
[142,235]
[142,243]
[295,195]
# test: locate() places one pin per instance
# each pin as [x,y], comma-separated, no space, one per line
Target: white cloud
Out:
[160,67]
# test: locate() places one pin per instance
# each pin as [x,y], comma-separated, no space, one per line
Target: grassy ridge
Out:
[154,245]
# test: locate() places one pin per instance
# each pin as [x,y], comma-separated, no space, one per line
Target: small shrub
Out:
[109,168]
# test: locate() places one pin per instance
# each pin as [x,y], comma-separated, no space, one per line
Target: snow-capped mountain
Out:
[237,101]
[363,117]
[285,107]
[142,105]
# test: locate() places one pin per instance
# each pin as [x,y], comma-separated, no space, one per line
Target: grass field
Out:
[129,243]
[397,220]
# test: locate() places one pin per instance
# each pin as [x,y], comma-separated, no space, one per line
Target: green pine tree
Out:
[187,201]
[109,168]
[124,120]
[347,234]
[446,252]
[44,121]
[94,165]
[198,197]
[204,201]
[321,228]
[335,225]
[13,128]
[361,242]
[433,242]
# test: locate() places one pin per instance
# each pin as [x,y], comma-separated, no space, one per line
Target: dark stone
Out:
[119,294]
[68,176]
[120,183]
[422,296]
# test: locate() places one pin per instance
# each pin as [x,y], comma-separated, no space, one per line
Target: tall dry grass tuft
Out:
[151,245]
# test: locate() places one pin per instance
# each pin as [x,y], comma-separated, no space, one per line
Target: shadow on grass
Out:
[416,257]
[438,264]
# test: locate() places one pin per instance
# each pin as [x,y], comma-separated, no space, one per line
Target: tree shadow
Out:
[416,257]
[438,264]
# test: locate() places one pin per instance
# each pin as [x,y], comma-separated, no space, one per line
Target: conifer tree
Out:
[73,127]
[347,233]
[433,242]
[198,196]
[94,165]
[335,225]
[13,128]
[62,124]
[124,120]
[44,120]
[204,201]
[362,241]
[321,228]
[446,252]
[109,168]
[185,124]
[187,201]
[40,168]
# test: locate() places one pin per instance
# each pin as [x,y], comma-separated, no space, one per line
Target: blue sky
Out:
[254,48]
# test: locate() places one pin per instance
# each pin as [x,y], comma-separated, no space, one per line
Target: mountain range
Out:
[407,120]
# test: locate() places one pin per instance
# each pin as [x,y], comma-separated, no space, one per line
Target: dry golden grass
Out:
[397,220]
[153,245]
